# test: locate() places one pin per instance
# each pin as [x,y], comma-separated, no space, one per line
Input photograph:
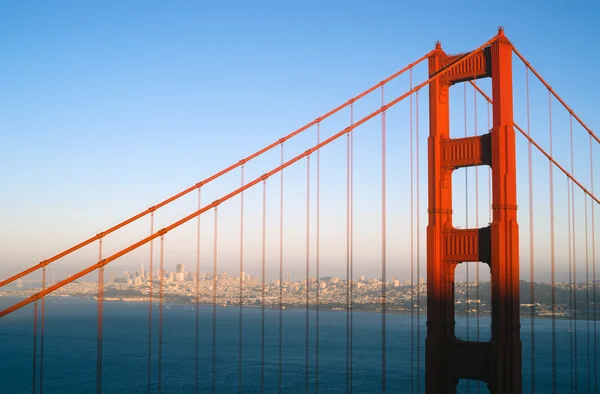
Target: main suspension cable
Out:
[233,166]
[232,194]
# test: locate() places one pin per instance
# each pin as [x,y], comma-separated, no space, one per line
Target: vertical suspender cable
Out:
[476,217]
[241,312]
[412,252]
[594,285]
[43,312]
[281,273]
[574,256]
[34,373]
[100,318]
[317,257]
[418,245]
[348,257]
[531,244]
[587,294]
[466,222]
[351,241]
[197,369]
[150,306]
[571,363]
[307,266]
[383,249]
[262,301]
[214,305]
[160,310]
[552,256]
[489,129]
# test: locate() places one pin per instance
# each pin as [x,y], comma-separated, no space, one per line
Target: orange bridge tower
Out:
[448,359]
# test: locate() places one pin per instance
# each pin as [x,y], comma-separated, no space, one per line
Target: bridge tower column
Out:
[448,359]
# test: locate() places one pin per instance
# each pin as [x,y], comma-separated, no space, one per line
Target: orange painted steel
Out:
[209,179]
[543,81]
[498,363]
[548,155]
[234,193]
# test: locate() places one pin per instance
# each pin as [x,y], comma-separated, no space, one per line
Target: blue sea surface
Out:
[70,350]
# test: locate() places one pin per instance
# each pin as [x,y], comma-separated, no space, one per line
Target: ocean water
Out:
[70,350]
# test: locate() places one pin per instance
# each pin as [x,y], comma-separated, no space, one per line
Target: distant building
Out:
[179,269]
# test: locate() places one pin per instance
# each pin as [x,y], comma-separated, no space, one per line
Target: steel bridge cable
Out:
[571,112]
[217,175]
[489,129]
[262,303]
[587,293]
[412,253]
[160,310]
[280,382]
[552,255]
[214,304]
[418,244]
[574,284]
[42,315]
[150,288]
[351,133]
[317,259]
[34,373]
[466,221]
[100,319]
[197,368]
[248,185]
[307,267]
[571,364]
[476,219]
[548,156]
[241,317]
[531,241]
[594,271]
[348,384]
[383,247]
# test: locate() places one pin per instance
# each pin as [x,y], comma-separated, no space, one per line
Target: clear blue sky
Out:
[110,107]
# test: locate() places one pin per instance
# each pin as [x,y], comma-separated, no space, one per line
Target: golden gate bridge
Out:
[486,76]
